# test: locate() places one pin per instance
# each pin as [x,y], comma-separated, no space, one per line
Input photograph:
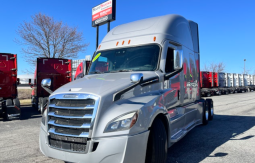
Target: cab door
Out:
[174,90]
[192,86]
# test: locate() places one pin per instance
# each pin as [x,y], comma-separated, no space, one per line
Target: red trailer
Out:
[9,103]
[60,73]
[209,83]
[82,69]
[215,79]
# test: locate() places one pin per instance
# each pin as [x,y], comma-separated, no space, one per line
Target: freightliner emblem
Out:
[70,96]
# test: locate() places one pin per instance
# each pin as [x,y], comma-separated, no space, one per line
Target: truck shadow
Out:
[28,112]
[203,140]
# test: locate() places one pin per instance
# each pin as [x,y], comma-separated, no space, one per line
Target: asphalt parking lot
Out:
[228,138]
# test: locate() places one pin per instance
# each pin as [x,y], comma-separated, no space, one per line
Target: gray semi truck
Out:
[140,96]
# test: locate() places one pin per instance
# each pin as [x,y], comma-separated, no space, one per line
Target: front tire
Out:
[157,143]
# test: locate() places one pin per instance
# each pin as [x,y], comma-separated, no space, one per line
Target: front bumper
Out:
[121,149]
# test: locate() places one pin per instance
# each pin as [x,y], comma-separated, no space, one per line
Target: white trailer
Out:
[222,79]
[245,79]
[235,80]
[240,78]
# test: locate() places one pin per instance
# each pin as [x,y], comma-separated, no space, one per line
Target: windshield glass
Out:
[142,58]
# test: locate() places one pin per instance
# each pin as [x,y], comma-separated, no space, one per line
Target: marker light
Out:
[117,43]
[129,41]
[99,47]
[123,42]
[154,38]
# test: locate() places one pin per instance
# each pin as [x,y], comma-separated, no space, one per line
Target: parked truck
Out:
[9,102]
[141,95]
[58,70]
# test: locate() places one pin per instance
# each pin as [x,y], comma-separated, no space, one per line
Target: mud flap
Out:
[13,108]
[1,108]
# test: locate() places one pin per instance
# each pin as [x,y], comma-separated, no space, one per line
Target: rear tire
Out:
[157,143]
[210,108]
[205,113]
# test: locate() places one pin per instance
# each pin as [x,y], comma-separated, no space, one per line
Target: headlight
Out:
[123,122]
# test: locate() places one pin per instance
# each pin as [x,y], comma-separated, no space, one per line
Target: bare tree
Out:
[45,37]
[221,67]
[214,67]
[205,68]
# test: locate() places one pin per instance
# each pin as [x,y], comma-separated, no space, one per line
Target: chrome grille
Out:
[70,121]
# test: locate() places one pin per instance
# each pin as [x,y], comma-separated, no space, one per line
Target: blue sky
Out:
[226,28]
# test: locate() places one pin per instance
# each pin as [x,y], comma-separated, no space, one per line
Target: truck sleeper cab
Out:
[143,82]
[59,70]
[9,102]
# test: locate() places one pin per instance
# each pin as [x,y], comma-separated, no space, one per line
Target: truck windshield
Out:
[142,58]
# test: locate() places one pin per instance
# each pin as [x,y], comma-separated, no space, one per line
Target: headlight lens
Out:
[124,122]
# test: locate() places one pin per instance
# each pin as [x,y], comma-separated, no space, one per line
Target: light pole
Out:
[244,65]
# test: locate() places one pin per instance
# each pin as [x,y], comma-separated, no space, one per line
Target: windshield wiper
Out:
[111,71]
[125,70]
[96,72]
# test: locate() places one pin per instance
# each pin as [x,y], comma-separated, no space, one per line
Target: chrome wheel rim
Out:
[206,115]
[41,108]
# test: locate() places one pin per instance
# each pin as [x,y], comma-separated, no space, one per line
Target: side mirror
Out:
[136,78]
[18,81]
[29,81]
[178,55]
[46,83]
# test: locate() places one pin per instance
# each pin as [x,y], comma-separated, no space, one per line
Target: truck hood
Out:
[101,84]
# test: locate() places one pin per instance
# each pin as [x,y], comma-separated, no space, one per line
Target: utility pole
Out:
[97,37]
[244,65]
[108,27]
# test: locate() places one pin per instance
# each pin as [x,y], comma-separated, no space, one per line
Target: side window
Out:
[169,60]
